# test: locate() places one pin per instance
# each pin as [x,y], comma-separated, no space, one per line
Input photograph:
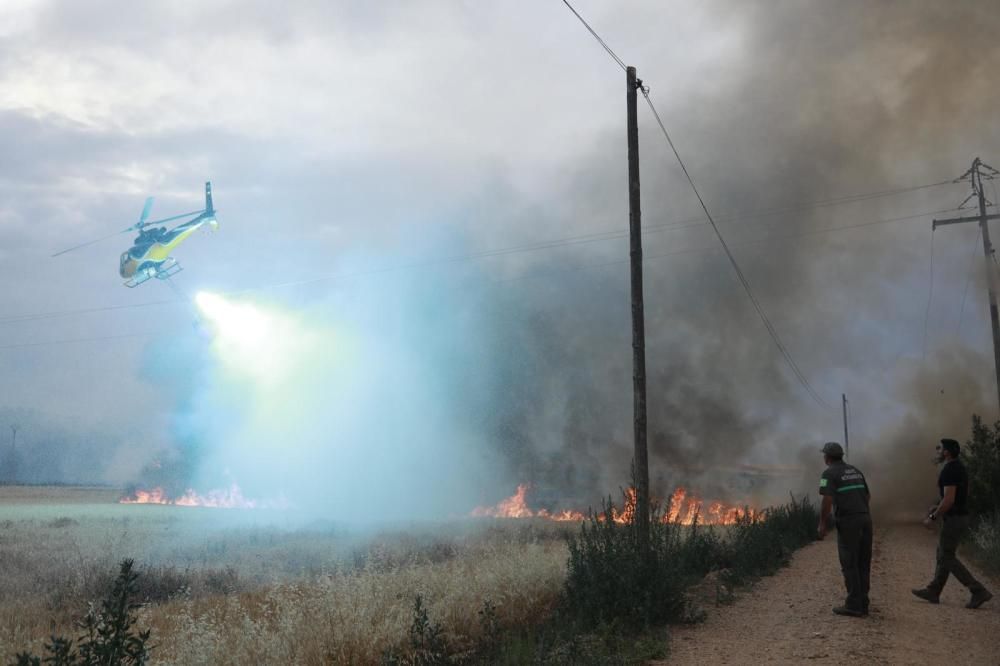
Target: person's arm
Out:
[946,503]
[824,510]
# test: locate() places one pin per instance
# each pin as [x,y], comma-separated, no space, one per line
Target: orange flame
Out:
[231,498]
[515,506]
[683,509]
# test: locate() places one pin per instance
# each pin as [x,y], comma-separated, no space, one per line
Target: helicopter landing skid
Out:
[161,272]
[166,271]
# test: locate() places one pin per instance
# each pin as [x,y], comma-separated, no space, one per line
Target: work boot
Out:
[850,612]
[927,595]
[979,597]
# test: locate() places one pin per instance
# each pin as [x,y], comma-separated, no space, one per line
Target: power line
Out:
[968,279]
[577,268]
[572,240]
[74,340]
[732,260]
[621,63]
[930,297]
[68,313]
[596,237]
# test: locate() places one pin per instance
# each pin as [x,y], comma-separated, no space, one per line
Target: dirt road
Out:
[787,618]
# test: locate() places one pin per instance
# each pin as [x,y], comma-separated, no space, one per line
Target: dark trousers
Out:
[854,544]
[952,531]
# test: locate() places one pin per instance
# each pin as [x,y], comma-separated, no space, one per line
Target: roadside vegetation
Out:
[982,459]
[498,591]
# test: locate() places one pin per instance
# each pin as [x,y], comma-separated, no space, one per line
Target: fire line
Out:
[683,508]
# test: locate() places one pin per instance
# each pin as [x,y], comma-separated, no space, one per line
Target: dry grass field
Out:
[251,586]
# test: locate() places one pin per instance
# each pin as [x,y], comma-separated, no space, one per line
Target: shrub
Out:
[982,459]
[109,638]
[427,647]
[611,577]
[986,536]
[758,545]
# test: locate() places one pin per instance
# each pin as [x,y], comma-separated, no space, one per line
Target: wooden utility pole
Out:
[975,176]
[847,442]
[638,316]
[11,466]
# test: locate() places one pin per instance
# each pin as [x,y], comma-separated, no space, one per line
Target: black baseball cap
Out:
[951,446]
[833,449]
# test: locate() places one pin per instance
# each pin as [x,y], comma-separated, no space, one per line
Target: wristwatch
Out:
[932,515]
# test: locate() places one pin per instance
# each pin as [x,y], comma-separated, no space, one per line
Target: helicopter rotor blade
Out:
[145,212]
[103,238]
[177,217]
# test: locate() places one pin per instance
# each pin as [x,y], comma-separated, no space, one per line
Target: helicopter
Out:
[149,257]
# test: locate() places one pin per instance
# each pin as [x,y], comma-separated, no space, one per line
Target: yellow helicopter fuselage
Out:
[150,251]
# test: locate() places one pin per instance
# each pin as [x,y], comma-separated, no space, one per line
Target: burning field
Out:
[251,586]
[227,498]
[681,508]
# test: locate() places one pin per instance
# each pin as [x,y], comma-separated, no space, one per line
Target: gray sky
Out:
[347,137]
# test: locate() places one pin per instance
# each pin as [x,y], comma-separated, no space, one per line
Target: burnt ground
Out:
[787,618]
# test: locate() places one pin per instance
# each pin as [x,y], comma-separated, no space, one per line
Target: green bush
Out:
[982,459]
[611,579]
[758,545]
[109,634]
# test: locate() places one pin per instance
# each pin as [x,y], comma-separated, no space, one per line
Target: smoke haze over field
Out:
[395,147]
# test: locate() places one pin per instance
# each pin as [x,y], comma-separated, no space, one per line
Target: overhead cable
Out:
[968,279]
[588,238]
[621,63]
[581,267]
[930,298]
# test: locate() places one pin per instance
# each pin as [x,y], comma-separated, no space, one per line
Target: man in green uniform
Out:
[953,489]
[845,490]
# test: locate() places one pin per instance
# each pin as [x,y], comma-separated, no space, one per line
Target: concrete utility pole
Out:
[847,443]
[638,315]
[975,176]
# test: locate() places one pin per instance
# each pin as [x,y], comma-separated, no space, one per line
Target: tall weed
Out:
[611,578]
[986,537]
[109,635]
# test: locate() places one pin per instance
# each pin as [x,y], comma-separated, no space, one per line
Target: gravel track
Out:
[787,618]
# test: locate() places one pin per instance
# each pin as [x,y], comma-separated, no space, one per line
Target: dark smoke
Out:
[826,99]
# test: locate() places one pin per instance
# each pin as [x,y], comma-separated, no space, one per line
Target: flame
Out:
[515,506]
[229,498]
[682,509]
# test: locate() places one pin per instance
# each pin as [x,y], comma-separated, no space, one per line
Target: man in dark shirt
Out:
[845,490]
[953,489]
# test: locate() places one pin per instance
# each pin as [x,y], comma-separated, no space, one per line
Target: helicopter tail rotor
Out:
[209,207]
